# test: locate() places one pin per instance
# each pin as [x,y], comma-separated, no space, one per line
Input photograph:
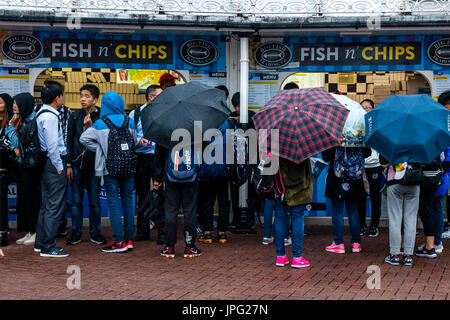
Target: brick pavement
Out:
[242,269]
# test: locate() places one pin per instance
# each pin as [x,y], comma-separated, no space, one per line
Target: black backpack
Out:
[413,174]
[121,159]
[33,158]
[269,185]
[153,205]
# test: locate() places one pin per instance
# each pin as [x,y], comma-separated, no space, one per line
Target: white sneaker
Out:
[421,247]
[446,235]
[267,241]
[30,240]
[23,239]
[288,241]
[439,248]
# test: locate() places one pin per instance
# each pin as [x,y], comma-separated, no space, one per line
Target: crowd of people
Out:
[51,147]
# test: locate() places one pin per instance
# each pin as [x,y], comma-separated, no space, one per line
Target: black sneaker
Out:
[222,238]
[39,249]
[206,238]
[392,259]
[362,231]
[54,253]
[373,232]
[407,260]
[168,252]
[98,239]
[423,252]
[74,238]
[192,252]
[402,251]
[161,239]
[306,232]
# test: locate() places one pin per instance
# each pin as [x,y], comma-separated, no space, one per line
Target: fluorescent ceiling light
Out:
[117,31]
[356,33]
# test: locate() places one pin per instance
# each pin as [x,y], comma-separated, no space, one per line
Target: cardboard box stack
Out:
[104,79]
[376,86]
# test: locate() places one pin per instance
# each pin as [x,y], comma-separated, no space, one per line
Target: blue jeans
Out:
[125,186]
[82,178]
[338,220]
[269,206]
[438,217]
[281,218]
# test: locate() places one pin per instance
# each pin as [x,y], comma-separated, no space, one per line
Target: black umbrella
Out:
[178,107]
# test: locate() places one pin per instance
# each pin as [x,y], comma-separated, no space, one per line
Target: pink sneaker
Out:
[300,263]
[356,247]
[336,248]
[282,261]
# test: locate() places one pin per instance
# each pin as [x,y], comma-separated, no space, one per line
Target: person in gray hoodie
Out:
[95,138]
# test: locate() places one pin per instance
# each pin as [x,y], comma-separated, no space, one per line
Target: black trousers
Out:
[13,175]
[234,202]
[186,196]
[374,178]
[3,202]
[208,191]
[426,209]
[29,195]
[52,209]
[142,178]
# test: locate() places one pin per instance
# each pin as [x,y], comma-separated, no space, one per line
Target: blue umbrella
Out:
[412,128]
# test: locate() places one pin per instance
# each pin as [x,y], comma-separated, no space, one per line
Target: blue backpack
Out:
[216,171]
[349,163]
[182,169]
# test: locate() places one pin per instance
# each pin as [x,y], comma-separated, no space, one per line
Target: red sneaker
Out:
[130,245]
[168,252]
[192,252]
[116,247]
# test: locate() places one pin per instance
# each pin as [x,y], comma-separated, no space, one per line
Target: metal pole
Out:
[245,219]
[244,82]
[243,191]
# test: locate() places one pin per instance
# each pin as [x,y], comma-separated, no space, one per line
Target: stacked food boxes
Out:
[376,86]
[104,79]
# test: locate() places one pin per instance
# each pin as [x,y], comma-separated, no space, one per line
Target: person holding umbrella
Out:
[309,121]
[298,183]
[196,107]
[344,184]
[407,131]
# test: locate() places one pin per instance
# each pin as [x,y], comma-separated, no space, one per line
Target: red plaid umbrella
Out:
[309,122]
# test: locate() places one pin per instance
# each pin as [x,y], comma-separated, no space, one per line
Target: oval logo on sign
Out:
[439,52]
[273,55]
[199,52]
[22,48]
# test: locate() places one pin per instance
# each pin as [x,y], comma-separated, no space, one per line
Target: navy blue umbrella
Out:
[412,128]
